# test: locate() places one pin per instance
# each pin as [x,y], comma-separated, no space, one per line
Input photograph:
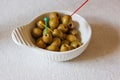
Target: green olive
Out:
[60,34]
[71,25]
[75,44]
[64,36]
[71,38]
[39,25]
[73,31]
[52,48]
[57,33]
[56,42]
[40,43]
[65,42]
[64,47]
[47,38]
[53,15]
[63,27]
[66,19]
[46,31]
[53,23]
[36,32]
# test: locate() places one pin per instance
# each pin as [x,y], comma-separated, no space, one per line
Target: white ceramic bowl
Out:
[22,36]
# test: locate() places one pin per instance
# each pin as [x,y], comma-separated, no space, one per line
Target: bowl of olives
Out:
[55,35]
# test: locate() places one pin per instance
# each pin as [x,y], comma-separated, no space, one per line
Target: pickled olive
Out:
[63,28]
[65,42]
[64,47]
[39,25]
[53,23]
[36,32]
[56,42]
[52,48]
[47,38]
[46,32]
[57,33]
[73,31]
[71,25]
[64,36]
[75,44]
[53,15]
[66,19]
[40,43]
[71,38]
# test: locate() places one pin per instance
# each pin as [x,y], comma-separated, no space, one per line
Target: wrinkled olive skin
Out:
[57,33]
[75,44]
[64,47]
[40,43]
[63,28]
[71,38]
[53,23]
[53,15]
[66,19]
[36,32]
[47,38]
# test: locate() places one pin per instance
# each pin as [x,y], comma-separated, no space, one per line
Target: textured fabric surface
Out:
[100,61]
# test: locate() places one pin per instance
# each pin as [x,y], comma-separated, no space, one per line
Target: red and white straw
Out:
[79,7]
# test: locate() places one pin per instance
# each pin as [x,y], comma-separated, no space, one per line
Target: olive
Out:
[75,44]
[53,23]
[65,42]
[73,31]
[71,25]
[57,33]
[66,19]
[36,32]
[63,27]
[52,48]
[64,47]
[64,36]
[53,15]
[47,38]
[39,25]
[46,31]
[71,38]
[56,42]
[40,43]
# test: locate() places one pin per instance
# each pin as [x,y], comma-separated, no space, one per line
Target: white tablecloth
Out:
[100,61]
